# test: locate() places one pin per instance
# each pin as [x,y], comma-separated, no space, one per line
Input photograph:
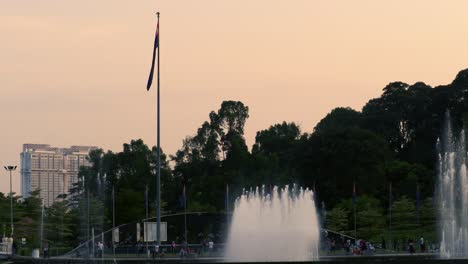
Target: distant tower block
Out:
[52,170]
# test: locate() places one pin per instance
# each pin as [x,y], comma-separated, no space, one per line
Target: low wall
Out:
[380,259]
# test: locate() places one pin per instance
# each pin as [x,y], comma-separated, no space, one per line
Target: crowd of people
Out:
[183,249]
[410,245]
[361,247]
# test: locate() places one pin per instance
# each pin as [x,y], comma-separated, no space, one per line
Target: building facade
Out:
[50,169]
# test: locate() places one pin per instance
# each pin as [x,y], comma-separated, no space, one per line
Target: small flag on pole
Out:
[354,193]
[182,198]
[227,198]
[390,196]
[156,44]
[418,197]
[146,200]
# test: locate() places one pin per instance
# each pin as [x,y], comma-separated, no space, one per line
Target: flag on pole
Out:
[182,198]
[156,44]
[417,197]
[146,200]
[354,193]
[390,196]
[354,211]
[227,198]
[146,196]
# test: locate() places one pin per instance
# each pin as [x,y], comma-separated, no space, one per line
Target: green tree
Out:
[331,162]
[217,155]
[130,173]
[338,119]
[59,224]
[29,225]
[230,121]
[404,223]
[405,177]
[428,220]
[338,220]
[370,221]
[274,154]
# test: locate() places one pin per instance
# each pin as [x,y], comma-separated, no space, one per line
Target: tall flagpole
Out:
[228,216]
[158,177]
[417,204]
[185,217]
[147,216]
[113,220]
[227,206]
[354,209]
[390,214]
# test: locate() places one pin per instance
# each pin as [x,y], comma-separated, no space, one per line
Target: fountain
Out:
[453,194]
[277,226]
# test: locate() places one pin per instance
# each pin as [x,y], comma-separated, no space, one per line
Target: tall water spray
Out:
[277,226]
[452,193]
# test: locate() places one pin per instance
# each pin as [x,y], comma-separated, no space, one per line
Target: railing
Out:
[142,250]
[84,246]
[87,248]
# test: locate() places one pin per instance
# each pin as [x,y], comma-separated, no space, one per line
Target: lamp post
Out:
[10,169]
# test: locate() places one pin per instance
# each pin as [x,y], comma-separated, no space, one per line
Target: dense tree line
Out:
[391,140]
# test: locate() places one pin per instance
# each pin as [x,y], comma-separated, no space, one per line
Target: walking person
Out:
[156,250]
[348,246]
[411,247]
[211,247]
[45,250]
[100,249]
[173,247]
[422,245]
[14,248]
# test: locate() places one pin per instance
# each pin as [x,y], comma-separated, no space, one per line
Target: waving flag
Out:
[418,197]
[390,196]
[182,198]
[156,44]
[354,193]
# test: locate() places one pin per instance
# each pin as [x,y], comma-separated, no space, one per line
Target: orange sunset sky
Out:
[74,72]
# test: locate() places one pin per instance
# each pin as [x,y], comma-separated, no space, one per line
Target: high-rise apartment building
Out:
[51,170]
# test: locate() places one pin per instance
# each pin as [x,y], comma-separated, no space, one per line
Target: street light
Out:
[10,169]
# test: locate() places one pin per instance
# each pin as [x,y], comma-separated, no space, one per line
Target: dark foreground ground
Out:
[382,259]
